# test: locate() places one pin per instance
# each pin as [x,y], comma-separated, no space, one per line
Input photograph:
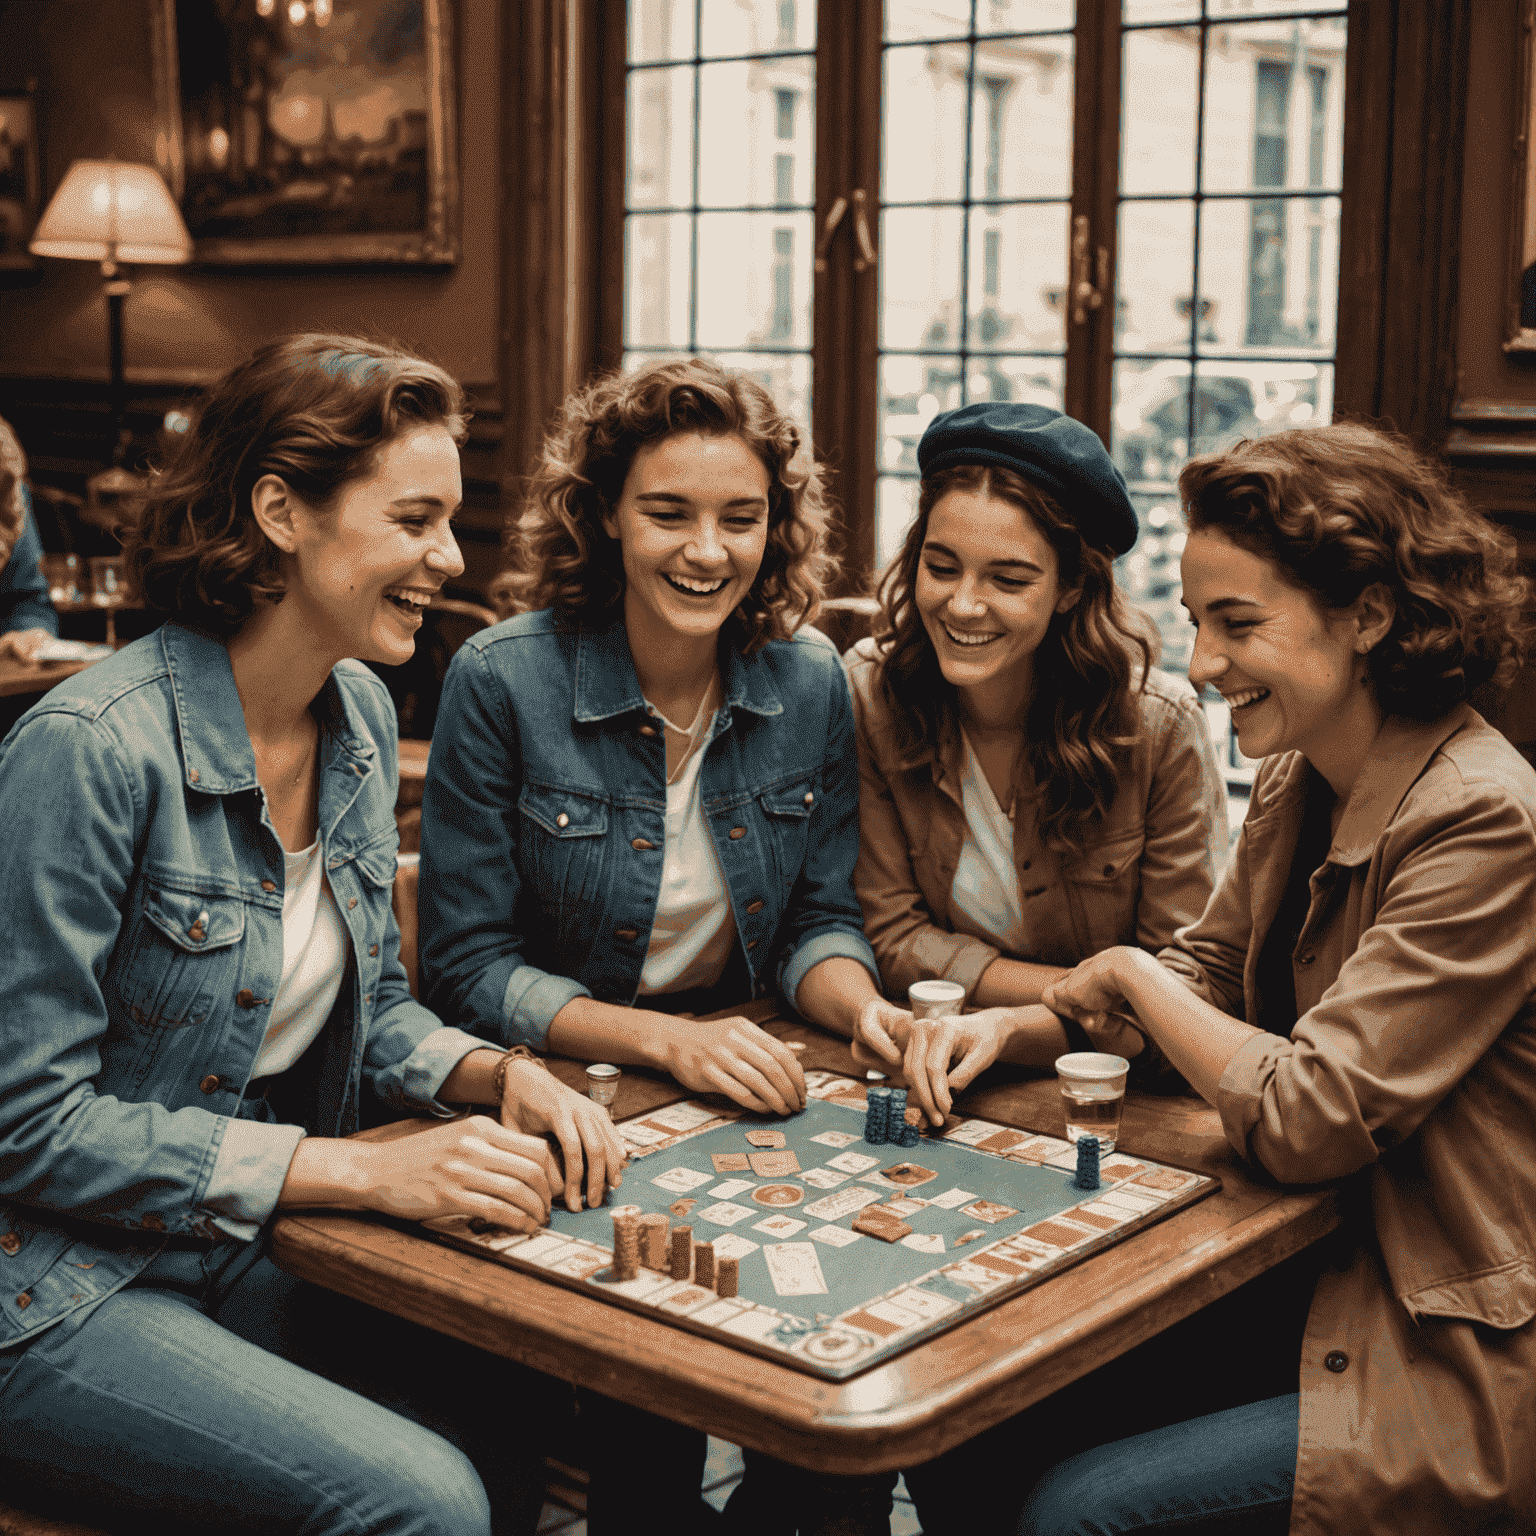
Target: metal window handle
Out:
[866,257]
[834,218]
[1084,295]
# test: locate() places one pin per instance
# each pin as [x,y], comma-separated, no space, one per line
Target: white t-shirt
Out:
[694,929]
[986,884]
[315,946]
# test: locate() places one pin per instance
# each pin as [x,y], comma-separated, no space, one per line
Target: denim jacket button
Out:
[755,906]
[373,949]
[24,1301]
[810,799]
[626,935]
[738,832]
[197,933]
[212,1083]
[246,998]
[644,845]
[10,1242]
[269,885]
[351,902]
[751,943]
[647,730]
[562,820]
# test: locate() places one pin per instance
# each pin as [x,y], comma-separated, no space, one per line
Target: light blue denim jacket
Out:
[543,822]
[141,943]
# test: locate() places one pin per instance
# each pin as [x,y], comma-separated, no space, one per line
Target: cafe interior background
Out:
[1183,221]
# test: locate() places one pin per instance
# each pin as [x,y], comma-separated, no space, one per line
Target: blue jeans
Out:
[1227,1474]
[217,1393]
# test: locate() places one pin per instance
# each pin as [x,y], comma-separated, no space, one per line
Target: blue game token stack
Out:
[897,1127]
[1087,1162]
[877,1116]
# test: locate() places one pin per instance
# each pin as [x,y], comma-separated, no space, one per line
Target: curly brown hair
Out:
[13,472]
[1093,662]
[1342,508]
[313,410]
[564,560]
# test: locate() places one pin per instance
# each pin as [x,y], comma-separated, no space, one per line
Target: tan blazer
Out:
[1144,873]
[1411,1072]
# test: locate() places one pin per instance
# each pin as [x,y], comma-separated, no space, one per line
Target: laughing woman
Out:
[1033,789]
[200,988]
[1358,1002]
[643,794]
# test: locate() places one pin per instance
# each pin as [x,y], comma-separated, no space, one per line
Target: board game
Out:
[974,1214]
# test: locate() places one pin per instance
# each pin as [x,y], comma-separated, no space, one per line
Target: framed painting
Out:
[20,177]
[1520,301]
[311,132]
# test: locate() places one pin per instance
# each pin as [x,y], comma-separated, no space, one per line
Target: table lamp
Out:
[115,213]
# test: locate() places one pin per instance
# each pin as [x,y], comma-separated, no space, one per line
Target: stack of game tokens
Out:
[626,1242]
[877,1114]
[898,1132]
[1087,1162]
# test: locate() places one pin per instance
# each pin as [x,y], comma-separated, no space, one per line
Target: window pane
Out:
[913,390]
[660,138]
[1018,277]
[1154,286]
[1021,119]
[1149,577]
[1269,274]
[1287,7]
[657,262]
[660,29]
[1274,106]
[786,376]
[1034,380]
[909,19]
[1150,436]
[1234,400]
[920,278]
[755,116]
[923,131]
[895,509]
[1160,91]
[754,279]
[757,26]
[1023,15]
[1163,10]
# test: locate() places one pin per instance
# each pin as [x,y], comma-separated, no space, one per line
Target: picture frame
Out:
[1520,296]
[21,177]
[327,138]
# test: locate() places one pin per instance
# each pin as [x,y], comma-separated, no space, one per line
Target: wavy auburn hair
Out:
[564,559]
[1342,508]
[1091,665]
[314,410]
[13,471]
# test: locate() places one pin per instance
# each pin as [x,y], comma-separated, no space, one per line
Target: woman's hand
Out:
[23,644]
[471,1167]
[733,1057]
[880,1035]
[1094,995]
[974,1040]
[534,1100]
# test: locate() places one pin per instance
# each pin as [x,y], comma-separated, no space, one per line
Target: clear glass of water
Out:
[1092,1094]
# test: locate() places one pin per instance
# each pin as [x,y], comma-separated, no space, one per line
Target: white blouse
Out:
[986,885]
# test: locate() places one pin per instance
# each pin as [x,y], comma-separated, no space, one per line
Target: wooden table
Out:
[900,1413]
[21,677]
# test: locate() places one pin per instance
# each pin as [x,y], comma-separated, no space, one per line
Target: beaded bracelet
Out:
[499,1075]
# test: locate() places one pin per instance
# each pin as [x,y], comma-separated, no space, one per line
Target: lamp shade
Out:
[107,210]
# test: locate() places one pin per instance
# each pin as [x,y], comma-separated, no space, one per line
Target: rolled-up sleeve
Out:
[1448,961]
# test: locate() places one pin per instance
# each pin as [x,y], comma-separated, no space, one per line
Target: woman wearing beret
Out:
[201,993]
[27,618]
[1033,789]
[642,799]
[1358,1002]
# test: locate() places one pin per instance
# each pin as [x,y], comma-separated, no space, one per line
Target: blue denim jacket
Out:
[141,895]
[23,587]
[543,822]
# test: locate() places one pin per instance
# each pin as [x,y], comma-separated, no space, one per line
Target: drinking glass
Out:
[935,999]
[1092,1094]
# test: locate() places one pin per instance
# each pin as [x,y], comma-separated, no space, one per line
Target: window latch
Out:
[866,257]
[834,218]
[1084,295]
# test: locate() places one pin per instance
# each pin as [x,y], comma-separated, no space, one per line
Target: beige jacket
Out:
[1147,870]
[1412,1068]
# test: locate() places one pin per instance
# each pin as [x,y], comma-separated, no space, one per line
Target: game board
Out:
[993,1211]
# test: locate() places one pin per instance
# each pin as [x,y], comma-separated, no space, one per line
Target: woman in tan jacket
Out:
[1358,1001]
[1033,789]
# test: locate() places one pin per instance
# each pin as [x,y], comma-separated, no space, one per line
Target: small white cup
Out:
[934,999]
[602,1083]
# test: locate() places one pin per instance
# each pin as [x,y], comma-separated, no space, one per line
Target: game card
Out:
[842,1202]
[734,1246]
[779,1226]
[683,1207]
[880,1181]
[683,1117]
[1038,1148]
[927,1306]
[988,1211]
[767,1138]
[725,1214]
[949,1200]
[923,1242]
[681,1180]
[773,1165]
[909,1175]
[834,1237]
[906,1206]
[836,1139]
[824,1178]
[1001,1141]
[794,1269]
[729,1162]
[853,1162]
[969,1132]
[689,1299]
[731,1188]
[638,1135]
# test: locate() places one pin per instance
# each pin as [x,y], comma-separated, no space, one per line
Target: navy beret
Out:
[1046,448]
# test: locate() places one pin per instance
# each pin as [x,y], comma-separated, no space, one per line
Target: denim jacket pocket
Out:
[184,955]
[788,808]
[562,839]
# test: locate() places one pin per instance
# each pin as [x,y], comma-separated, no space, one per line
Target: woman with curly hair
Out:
[27,619]
[201,996]
[1358,1001]
[1034,790]
[642,798]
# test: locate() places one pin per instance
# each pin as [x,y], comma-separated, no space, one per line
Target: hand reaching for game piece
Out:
[880,1036]
[535,1101]
[736,1058]
[974,1040]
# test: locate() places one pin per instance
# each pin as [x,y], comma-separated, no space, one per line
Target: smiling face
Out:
[361,574]
[987,588]
[1291,672]
[692,522]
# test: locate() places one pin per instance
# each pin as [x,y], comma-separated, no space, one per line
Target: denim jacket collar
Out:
[607,685]
[216,756]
